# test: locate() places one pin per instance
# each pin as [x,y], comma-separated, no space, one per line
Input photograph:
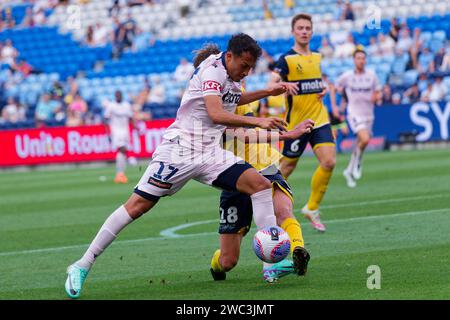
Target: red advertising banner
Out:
[74,144]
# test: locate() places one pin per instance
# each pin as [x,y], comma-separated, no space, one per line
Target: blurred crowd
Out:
[64,103]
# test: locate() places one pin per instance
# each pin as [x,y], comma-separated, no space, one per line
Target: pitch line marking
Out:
[172,230]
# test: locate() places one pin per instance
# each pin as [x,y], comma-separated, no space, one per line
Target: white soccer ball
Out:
[271,244]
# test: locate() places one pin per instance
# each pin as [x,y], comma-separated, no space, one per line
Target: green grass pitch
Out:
[398,218]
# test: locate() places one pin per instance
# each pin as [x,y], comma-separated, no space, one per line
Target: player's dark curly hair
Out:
[238,44]
[241,42]
[203,53]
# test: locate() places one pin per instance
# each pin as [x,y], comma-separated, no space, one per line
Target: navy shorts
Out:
[236,210]
[295,148]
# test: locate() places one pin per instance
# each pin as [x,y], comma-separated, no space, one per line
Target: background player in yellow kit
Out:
[236,210]
[299,69]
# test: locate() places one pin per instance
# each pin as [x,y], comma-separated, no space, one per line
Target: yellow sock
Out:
[215,263]
[319,184]
[294,230]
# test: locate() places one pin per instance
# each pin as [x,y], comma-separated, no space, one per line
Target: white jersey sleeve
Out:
[212,81]
[193,127]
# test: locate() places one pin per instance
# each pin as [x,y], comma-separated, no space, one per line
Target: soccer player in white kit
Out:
[362,89]
[119,115]
[191,149]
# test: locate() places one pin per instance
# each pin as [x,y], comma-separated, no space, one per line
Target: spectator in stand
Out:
[89,40]
[396,98]
[425,60]
[348,13]
[129,30]
[100,37]
[412,94]
[70,90]
[28,20]
[339,10]
[386,44]
[116,43]
[8,53]
[345,49]
[263,63]
[395,29]
[46,109]
[438,60]
[267,13]
[76,111]
[289,4]
[184,71]
[184,7]
[425,94]
[24,68]
[422,82]
[39,17]
[415,47]
[8,20]
[114,10]
[373,49]
[404,42]
[386,96]
[13,112]
[445,66]
[143,40]
[438,90]
[57,91]
[326,50]
[132,3]
[157,92]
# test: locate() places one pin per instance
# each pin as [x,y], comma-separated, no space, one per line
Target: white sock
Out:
[263,212]
[118,220]
[121,162]
[354,159]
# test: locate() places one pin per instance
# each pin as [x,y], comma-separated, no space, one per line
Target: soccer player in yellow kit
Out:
[299,69]
[236,210]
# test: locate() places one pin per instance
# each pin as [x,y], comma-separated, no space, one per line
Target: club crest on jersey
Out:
[231,97]
[211,85]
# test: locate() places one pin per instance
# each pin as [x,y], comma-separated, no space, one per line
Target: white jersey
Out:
[119,115]
[193,127]
[359,89]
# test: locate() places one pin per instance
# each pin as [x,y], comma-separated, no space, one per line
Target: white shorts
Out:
[360,123]
[120,139]
[173,166]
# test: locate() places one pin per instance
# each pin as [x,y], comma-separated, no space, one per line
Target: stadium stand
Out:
[56,50]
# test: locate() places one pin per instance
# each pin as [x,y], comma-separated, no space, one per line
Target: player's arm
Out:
[279,75]
[267,136]
[219,115]
[274,89]
[334,107]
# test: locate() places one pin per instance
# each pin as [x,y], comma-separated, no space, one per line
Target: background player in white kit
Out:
[119,115]
[362,89]
[191,149]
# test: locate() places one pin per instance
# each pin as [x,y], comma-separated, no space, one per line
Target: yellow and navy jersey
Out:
[276,106]
[304,70]
[259,155]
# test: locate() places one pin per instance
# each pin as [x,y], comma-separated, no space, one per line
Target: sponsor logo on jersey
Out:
[211,85]
[231,97]
[310,86]
[159,183]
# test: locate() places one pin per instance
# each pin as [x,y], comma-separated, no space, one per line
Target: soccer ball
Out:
[271,244]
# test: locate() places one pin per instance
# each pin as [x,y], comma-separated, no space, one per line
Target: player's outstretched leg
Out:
[272,272]
[217,272]
[118,220]
[226,258]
